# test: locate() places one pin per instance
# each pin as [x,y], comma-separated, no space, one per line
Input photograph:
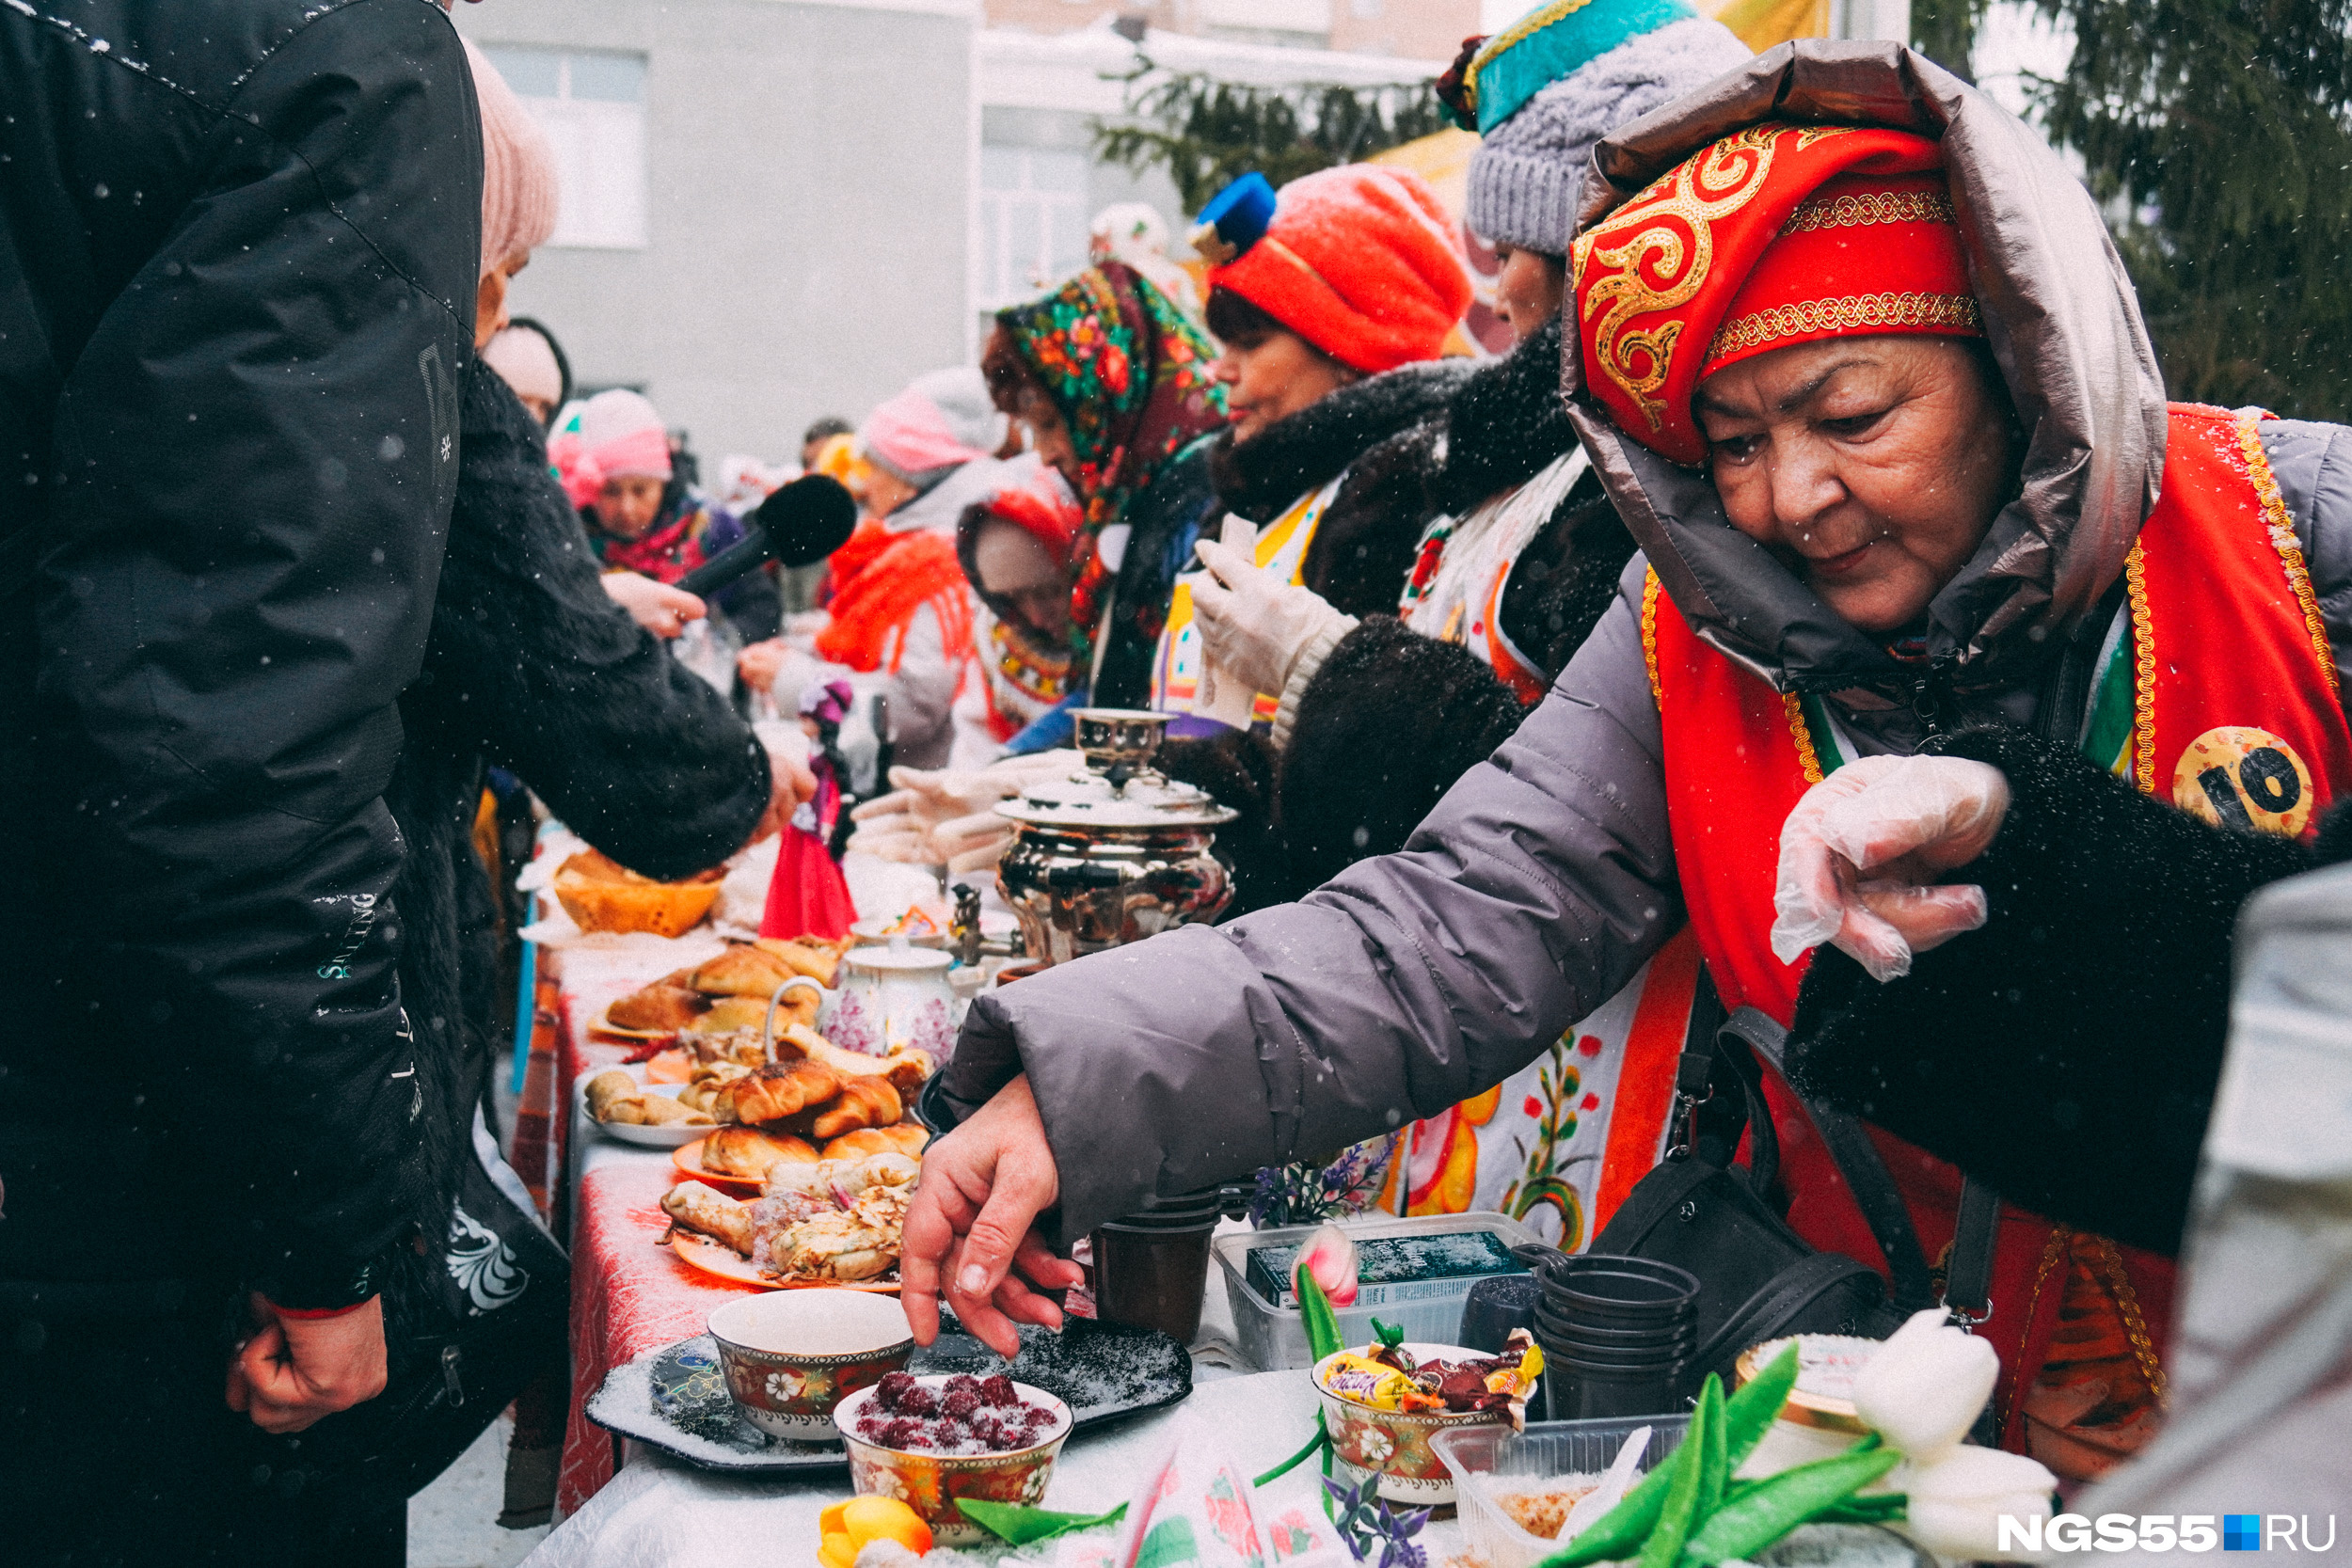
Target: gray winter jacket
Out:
[1545,877]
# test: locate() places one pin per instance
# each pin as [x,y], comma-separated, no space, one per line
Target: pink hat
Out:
[940,422]
[518,187]
[614,435]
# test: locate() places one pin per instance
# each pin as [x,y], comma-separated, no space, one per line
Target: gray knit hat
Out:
[1527,173]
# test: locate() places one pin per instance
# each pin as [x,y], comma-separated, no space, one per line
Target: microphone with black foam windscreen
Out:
[799,525]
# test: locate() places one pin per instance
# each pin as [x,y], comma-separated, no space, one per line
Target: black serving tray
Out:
[675,1399]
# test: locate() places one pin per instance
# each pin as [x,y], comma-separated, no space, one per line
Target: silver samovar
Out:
[1116,853]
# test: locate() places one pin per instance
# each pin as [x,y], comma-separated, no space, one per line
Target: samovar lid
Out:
[1119,789]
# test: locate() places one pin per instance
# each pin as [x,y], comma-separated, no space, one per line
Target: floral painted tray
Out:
[676,1399]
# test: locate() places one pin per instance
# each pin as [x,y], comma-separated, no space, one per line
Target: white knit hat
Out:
[1528,172]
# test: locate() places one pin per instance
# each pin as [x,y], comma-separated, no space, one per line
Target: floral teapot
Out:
[890,999]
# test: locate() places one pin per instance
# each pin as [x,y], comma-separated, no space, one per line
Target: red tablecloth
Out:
[630,1293]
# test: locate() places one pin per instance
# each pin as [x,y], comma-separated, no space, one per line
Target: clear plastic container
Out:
[1272,1339]
[1546,1451]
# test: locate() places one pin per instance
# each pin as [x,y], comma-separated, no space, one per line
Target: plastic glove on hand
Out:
[1860,854]
[1252,622]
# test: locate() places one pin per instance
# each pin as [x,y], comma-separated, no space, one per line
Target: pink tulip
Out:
[1329,1257]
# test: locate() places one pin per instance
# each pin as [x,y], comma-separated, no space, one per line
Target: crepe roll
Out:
[710,1213]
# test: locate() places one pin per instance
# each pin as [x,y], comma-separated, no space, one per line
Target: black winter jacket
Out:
[531,666]
[237,267]
[1393,718]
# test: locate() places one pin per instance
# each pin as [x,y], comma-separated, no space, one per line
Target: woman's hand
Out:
[659,607]
[1253,623]
[948,817]
[1860,855]
[758,664]
[971,1231]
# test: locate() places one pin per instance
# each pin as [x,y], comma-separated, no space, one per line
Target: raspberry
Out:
[960,1382]
[960,1404]
[893,1388]
[918,1401]
[998,1390]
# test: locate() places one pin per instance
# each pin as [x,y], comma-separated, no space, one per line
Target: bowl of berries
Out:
[928,1441]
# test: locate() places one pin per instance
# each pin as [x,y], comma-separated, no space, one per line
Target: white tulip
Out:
[1923,1389]
[1957,1502]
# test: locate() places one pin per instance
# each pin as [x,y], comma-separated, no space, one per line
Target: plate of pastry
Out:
[650,1114]
[737,1159]
[729,991]
[821,1222]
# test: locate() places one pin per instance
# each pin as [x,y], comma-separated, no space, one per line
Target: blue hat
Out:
[1236,218]
[1553,42]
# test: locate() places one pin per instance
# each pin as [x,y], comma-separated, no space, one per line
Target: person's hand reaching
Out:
[971,1230]
[1253,623]
[790,781]
[758,663]
[296,1371]
[659,607]
[1860,855]
[948,817]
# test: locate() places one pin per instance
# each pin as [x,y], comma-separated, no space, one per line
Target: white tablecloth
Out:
[660,1513]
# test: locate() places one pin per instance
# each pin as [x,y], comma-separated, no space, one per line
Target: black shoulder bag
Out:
[1758,1279]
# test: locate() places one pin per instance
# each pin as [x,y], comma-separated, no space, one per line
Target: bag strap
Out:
[1968,1273]
[1857,1159]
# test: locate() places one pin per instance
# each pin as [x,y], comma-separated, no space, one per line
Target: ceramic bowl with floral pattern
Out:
[790,1356]
[932,1483]
[1393,1444]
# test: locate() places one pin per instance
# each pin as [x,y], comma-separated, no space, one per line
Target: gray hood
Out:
[2062,323]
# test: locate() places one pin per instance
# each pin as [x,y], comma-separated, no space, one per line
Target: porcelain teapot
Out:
[893,998]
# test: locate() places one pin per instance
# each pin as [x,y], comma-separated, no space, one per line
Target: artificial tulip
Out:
[1923,1389]
[846,1528]
[1329,1258]
[1956,1503]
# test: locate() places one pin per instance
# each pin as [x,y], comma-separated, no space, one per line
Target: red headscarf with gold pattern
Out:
[1777,234]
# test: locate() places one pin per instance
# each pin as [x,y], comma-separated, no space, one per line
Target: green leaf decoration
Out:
[1019,1524]
[1389,1335]
[1314,1309]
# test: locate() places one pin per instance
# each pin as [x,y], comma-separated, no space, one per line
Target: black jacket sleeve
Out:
[256,450]
[2067,1052]
[532,665]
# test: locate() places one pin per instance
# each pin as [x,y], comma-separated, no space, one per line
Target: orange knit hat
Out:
[1361,262]
[1775,235]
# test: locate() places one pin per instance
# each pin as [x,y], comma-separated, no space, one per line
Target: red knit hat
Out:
[1775,235]
[1361,262]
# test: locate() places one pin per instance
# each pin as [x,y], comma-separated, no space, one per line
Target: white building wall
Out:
[807,206]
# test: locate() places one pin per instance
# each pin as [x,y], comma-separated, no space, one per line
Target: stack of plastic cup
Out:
[1617,1334]
[1152,1268]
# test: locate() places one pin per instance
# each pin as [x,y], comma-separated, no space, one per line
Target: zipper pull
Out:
[451,1356]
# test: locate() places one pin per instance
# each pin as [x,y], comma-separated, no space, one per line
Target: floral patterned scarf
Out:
[1131,376]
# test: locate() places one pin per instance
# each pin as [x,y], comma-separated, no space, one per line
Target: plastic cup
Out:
[1575,1392]
[1150,1272]
[1496,1307]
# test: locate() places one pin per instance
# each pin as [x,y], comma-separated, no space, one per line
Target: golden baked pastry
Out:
[655,1007]
[908,1137]
[730,1013]
[614,1097]
[906,1070]
[772,1093]
[745,969]
[868,1101]
[702,1089]
[747,1151]
[710,1211]
[811,956]
[601,894]
[608,1087]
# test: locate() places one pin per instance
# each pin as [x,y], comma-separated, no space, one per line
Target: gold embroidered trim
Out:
[1808,760]
[2143,671]
[2052,1251]
[2126,1300]
[2281,526]
[1849,313]
[1649,637]
[1861,209]
[1667,233]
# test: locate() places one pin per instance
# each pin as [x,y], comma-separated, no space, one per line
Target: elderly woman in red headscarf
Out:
[1962,691]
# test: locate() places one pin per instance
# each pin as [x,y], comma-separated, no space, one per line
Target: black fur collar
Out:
[1259,477]
[1504,424]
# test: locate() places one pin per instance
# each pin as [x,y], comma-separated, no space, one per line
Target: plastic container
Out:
[1271,1338]
[1577,1390]
[1546,1451]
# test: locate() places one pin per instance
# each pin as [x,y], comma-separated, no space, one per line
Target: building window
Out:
[1032,221]
[592,105]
